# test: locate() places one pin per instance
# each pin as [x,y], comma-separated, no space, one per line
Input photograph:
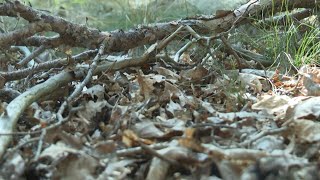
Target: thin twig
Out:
[34,54]
[212,125]
[40,144]
[86,80]
[11,151]
[137,150]
[22,73]
[156,154]
[262,134]
[225,42]
[11,114]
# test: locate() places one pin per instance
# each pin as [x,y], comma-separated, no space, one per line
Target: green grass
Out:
[309,49]
[270,40]
[294,44]
[118,14]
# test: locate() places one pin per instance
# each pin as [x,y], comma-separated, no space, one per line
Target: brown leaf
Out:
[195,74]
[222,13]
[146,84]
[147,130]
[306,130]
[312,87]
[305,109]
[130,139]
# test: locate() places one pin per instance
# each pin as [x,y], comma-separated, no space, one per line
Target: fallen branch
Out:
[76,35]
[81,36]
[15,108]
[8,120]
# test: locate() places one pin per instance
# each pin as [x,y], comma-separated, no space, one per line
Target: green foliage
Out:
[117,14]
[288,44]
[309,49]
[299,41]
[267,38]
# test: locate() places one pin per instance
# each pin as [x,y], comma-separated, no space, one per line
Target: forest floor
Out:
[185,111]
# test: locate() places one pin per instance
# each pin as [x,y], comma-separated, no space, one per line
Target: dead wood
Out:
[75,35]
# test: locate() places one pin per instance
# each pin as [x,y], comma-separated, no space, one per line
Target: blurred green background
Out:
[123,14]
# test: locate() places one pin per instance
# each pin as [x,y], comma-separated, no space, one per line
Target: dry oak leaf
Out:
[313,88]
[306,131]
[147,82]
[308,108]
[131,139]
[273,104]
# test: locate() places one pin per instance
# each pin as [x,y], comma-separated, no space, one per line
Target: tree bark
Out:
[81,36]
[76,35]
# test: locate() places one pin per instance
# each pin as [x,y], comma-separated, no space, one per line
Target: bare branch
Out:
[15,108]
[34,54]
[10,38]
